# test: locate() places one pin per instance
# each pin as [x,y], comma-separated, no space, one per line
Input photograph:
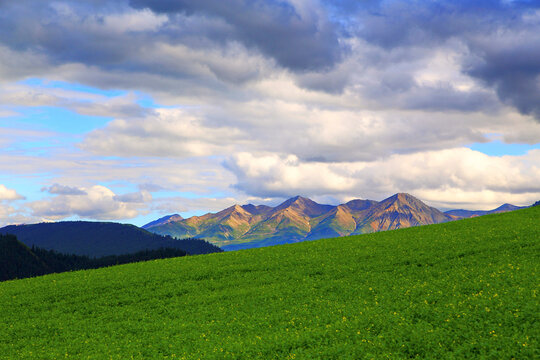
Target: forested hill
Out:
[97,239]
[18,261]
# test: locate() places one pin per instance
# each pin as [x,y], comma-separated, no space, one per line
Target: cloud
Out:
[170,132]
[430,56]
[208,48]
[294,33]
[10,136]
[9,194]
[19,63]
[197,176]
[324,97]
[200,205]
[151,187]
[84,103]
[17,214]
[510,63]
[9,215]
[110,39]
[58,189]
[99,202]
[448,178]
[501,39]
[308,132]
[134,197]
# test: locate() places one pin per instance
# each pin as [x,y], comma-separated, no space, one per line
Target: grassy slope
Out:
[465,289]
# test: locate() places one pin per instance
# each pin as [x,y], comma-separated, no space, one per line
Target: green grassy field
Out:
[466,289]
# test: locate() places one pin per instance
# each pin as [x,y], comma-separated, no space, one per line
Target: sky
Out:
[130,110]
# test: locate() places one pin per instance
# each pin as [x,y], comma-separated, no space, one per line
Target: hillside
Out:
[463,289]
[96,239]
[298,219]
[17,261]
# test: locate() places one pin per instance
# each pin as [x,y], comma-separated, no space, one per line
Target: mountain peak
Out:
[398,211]
[304,205]
[299,218]
[294,200]
[300,199]
[164,220]
[359,205]
[401,200]
[403,197]
[235,209]
[256,209]
[506,207]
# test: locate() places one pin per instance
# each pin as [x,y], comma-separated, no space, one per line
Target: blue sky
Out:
[131,110]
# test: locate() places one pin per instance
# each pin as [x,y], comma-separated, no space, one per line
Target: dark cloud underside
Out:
[501,39]
[274,27]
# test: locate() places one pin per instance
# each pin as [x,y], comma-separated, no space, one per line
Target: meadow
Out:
[465,289]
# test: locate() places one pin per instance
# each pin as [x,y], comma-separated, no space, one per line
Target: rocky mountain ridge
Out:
[299,219]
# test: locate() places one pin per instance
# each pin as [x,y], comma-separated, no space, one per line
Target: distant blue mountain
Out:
[462,214]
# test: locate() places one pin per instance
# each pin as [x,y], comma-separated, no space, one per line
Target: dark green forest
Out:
[18,261]
[99,239]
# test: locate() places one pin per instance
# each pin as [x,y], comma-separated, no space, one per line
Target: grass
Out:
[466,289]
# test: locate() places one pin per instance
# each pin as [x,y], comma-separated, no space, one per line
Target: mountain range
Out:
[299,219]
[238,227]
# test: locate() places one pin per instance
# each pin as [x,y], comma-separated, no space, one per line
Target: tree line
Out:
[18,261]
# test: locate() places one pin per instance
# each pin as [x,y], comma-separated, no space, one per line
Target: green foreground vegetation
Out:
[465,289]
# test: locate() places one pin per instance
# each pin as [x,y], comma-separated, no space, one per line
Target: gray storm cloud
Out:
[502,40]
[297,40]
[195,43]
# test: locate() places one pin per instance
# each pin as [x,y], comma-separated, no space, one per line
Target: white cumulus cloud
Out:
[98,202]
[9,194]
[450,178]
